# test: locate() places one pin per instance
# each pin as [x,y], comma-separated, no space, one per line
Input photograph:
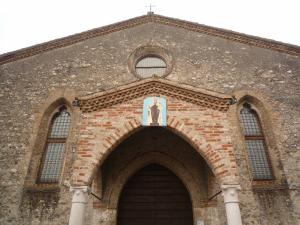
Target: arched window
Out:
[52,161]
[255,143]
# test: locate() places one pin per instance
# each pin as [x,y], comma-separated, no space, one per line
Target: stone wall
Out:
[101,63]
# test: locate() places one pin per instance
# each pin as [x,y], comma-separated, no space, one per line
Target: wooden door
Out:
[154,196]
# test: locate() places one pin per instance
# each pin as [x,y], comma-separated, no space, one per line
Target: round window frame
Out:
[150,51]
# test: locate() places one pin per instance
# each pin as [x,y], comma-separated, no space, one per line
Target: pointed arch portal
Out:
[197,121]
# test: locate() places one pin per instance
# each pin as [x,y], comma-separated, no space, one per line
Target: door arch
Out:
[154,196]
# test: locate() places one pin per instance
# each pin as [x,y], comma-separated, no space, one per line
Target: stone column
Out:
[230,194]
[79,202]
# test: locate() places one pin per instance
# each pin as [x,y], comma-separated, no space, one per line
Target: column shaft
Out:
[230,194]
[79,201]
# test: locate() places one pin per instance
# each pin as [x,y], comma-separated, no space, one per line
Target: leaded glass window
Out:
[150,65]
[255,143]
[55,147]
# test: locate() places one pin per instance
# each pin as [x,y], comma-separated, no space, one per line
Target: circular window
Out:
[147,61]
[150,65]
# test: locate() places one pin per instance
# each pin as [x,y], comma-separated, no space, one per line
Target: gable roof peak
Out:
[150,17]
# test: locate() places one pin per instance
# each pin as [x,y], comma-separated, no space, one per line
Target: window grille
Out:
[255,143]
[55,147]
[150,65]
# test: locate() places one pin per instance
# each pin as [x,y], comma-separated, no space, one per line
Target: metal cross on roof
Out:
[150,6]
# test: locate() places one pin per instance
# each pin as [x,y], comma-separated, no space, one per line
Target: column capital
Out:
[80,188]
[79,194]
[230,192]
[231,200]
[226,186]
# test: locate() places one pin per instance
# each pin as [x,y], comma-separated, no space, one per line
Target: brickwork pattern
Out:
[207,131]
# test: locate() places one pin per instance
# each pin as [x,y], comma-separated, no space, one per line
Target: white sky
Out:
[27,22]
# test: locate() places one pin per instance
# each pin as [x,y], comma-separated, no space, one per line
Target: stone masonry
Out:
[205,61]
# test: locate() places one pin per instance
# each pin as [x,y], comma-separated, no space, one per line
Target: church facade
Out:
[152,120]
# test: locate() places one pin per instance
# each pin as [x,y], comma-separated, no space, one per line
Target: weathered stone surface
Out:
[101,63]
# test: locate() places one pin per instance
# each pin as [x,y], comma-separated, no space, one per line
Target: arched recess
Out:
[43,118]
[221,161]
[196,191]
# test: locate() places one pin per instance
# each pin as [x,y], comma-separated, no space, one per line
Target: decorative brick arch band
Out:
[198,116]
[93,149]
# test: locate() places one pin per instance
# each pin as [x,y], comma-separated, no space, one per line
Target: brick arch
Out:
[221,161]
[199,143]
